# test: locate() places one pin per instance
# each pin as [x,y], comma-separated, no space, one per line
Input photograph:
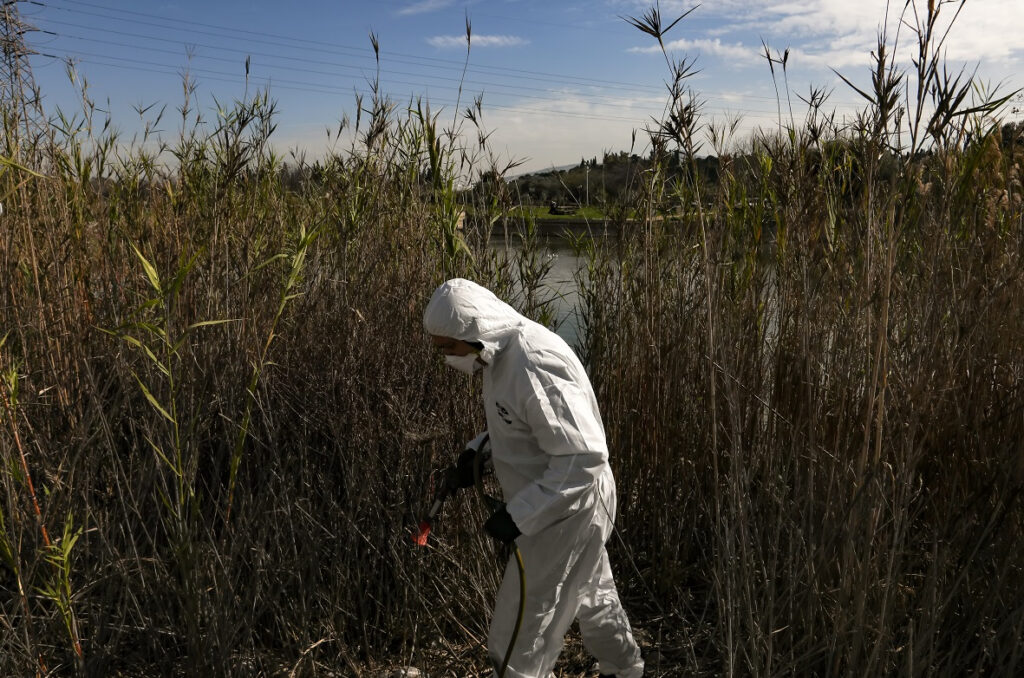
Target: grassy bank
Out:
[524,212]
[220,414]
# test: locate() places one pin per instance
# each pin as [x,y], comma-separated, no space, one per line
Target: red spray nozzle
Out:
[423,531]
[421,534]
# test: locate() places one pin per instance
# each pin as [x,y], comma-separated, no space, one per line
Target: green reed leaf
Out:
[151,273]
[153,401]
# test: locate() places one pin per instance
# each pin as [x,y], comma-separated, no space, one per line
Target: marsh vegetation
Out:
[220,413]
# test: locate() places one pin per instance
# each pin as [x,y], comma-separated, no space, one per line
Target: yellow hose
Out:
[478,481]
[522,611]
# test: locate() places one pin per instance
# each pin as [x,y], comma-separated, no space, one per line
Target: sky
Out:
[559,80]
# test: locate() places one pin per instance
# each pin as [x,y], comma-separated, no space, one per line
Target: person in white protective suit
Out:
[550,457]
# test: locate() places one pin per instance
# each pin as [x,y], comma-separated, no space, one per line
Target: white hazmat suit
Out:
[550,457]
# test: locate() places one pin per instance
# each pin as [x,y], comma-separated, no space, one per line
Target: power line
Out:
[514,90]
[119,62]
[361,51]
[364,53]
[517,91]
[293,85]
[320,88]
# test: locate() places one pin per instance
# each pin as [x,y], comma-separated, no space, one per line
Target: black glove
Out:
[501,526]
[460,474]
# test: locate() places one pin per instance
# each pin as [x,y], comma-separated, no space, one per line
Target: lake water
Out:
[559,285]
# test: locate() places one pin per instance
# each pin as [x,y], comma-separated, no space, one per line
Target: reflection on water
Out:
[558,286]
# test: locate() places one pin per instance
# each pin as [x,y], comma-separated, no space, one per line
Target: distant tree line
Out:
[613,180]
[616,178]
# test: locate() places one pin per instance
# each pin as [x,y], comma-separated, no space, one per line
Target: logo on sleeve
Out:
[503,413]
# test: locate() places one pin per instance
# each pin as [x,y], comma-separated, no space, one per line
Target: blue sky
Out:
[560,80]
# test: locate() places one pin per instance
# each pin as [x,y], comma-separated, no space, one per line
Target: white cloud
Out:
[423,7]
[736,52]
[450,41]
[561,131]
[670,9]
[840,33]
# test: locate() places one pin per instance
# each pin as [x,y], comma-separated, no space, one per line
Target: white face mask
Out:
[464,363]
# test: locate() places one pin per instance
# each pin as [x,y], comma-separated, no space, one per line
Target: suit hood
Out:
[462,309]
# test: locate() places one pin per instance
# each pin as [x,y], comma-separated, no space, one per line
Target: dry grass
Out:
[215,369]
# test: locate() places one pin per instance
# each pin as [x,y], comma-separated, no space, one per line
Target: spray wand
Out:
[422,530]
[449,485]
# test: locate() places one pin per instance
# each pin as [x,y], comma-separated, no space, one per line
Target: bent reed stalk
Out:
[809,367]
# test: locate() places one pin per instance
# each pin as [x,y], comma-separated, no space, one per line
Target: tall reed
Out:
[816,421]
[809,371]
